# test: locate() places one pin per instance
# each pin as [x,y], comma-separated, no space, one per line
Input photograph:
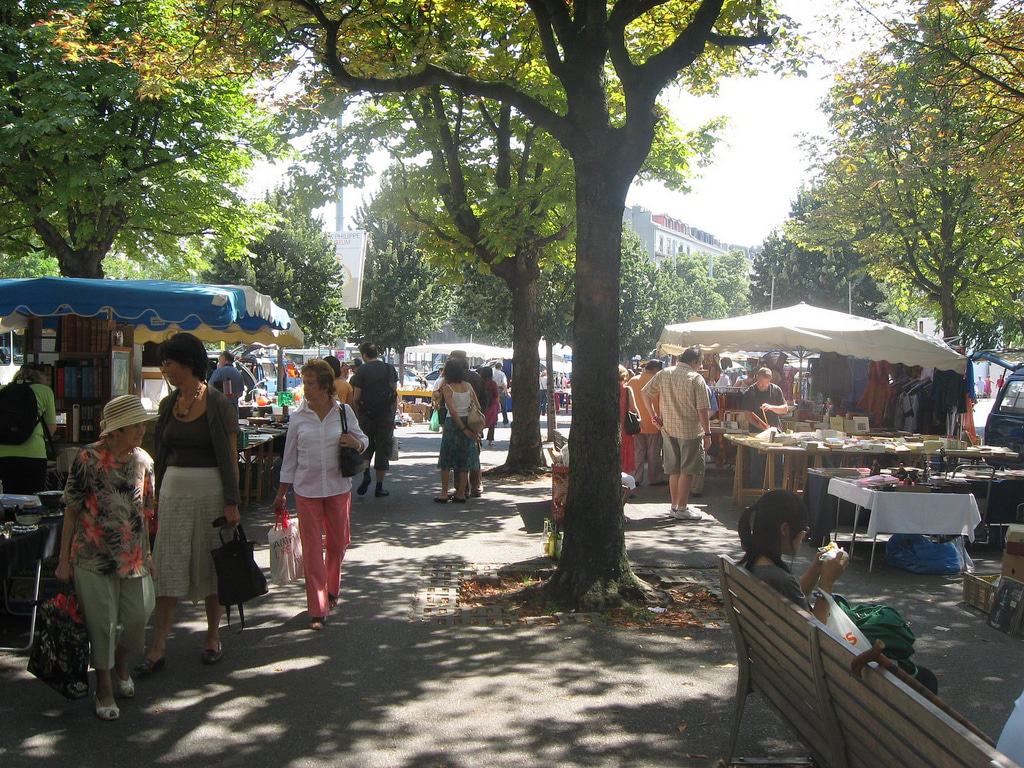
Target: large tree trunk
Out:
[594,568]
[401,367]
[524,449]
[950,318]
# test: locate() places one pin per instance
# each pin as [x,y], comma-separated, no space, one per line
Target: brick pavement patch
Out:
[437,598]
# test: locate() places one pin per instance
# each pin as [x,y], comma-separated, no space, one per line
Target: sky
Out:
[758,166]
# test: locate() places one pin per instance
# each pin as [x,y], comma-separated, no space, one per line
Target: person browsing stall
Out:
[765,400]
[23,465]
[678,400]
[227,378]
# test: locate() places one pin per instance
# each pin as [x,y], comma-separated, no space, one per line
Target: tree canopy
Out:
[405,296]
[96,158]
[902,192]
[833,277]
[293,262]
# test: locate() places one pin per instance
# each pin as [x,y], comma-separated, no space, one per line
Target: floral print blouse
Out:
[111,499]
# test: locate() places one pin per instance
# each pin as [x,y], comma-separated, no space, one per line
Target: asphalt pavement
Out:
[382,687]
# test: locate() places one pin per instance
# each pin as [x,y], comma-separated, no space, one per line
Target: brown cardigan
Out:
[222,418]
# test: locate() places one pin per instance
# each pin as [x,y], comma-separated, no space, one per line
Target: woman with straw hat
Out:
[105,545]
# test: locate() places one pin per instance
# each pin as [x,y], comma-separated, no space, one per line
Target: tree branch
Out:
[545,28]
[431,74]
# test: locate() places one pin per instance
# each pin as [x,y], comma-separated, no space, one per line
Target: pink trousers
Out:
[316,516]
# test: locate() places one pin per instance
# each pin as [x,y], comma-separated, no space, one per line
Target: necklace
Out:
[183,414]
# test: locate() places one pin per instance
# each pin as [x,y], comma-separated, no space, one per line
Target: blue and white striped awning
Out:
[156,308]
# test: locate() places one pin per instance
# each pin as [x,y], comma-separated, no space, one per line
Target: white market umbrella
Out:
[813,329]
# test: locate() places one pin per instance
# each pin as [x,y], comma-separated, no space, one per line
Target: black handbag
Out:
[349,459]
[631,424]
[239,579]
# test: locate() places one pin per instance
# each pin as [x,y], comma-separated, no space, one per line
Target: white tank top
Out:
[462,401]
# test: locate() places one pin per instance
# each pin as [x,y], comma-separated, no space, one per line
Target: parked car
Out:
[1005,426]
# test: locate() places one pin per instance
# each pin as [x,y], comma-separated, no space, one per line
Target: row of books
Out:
[83,423]
[80,379]
[83,334]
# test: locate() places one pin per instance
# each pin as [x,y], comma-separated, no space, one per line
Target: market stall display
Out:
[891,511]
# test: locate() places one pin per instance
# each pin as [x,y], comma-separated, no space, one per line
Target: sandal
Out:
[211,656]
[148,666]
[124,688]
[459,499]
[477,493]
[442,499]
[317,622]
[332,601]
[106,713]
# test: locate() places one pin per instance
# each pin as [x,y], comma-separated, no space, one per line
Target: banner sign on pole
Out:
[350,249]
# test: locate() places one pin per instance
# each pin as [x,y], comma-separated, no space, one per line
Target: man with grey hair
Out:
[678,399]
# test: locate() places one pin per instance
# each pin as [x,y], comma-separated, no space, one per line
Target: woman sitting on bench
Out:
[774,526]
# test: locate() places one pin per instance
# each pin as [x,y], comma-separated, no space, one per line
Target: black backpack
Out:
[19,414]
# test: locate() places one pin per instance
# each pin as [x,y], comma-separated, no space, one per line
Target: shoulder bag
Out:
[475,417]
[631,424]
[349,459]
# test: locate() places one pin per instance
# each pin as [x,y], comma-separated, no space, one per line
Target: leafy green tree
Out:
[295,264]
[591,81]
[93,162]
[827,278]
[732,282]
[405,296]
[899,192]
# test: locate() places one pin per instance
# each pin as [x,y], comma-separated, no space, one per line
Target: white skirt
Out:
[191,498]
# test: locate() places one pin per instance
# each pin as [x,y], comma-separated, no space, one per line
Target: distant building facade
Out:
[666,238]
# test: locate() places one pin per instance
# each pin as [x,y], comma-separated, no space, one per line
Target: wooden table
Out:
[260,452]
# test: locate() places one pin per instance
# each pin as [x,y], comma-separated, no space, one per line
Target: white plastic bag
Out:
[842,625]
[285,550]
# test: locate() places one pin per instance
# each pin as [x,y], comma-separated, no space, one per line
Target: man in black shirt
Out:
[374,396]
[764,399]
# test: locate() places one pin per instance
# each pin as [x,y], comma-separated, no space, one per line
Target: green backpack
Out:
[883,622]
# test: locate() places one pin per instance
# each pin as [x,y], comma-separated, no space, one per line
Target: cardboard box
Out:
[1013,556]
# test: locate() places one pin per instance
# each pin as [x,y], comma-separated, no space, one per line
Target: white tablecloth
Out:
[952,514]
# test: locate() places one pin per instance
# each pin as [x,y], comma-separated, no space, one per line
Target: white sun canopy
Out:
[813,329]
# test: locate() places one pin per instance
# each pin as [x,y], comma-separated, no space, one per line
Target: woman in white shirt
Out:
[323,496]
[460,446]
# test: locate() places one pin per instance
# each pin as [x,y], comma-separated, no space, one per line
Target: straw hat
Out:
[123,411]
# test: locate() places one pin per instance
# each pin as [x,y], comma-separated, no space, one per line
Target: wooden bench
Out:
[869,721]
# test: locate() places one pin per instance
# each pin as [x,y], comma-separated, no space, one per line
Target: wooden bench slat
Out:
[809,730]
[780,653]
[889,705]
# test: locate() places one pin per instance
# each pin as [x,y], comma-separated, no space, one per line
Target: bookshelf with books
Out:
[83,355]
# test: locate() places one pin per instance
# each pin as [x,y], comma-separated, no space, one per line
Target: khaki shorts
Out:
[683,457]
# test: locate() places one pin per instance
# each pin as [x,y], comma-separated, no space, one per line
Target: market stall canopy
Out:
[472,349]
[813,329]
[156,308]
[562,354]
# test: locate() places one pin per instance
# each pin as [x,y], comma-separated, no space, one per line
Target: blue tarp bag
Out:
[919,554]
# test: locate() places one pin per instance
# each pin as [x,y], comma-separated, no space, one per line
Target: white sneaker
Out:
[687,513]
